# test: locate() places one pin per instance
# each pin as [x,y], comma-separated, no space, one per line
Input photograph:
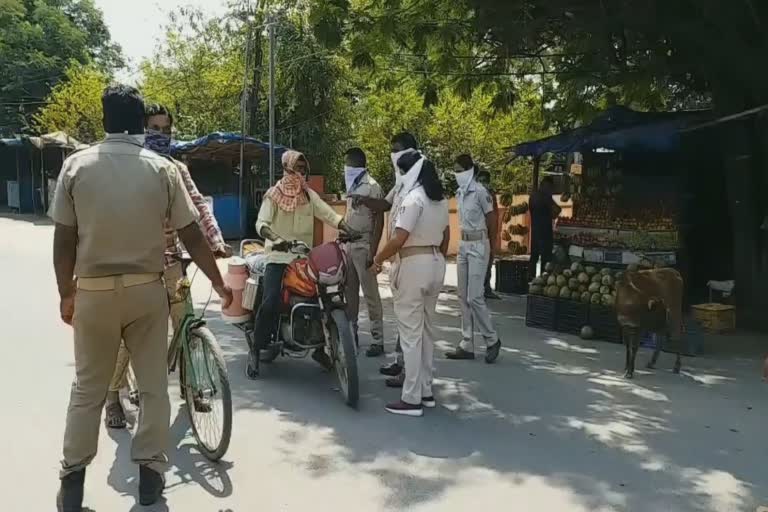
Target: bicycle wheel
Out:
[208,395]
[345,357]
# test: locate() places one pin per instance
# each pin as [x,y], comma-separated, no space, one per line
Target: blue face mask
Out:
[158,142]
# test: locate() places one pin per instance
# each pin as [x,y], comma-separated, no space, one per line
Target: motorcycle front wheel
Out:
[345,357]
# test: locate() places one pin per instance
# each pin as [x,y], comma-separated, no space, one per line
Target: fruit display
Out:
[518,229]
[516,248]
[520,209]
[587,284]
[631,241]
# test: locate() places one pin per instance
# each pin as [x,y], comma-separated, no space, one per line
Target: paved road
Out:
[551,427]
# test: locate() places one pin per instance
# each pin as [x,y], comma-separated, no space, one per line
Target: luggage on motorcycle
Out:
[327,264]
[298,280]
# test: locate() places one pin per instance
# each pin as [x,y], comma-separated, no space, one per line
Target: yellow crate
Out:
[715,317]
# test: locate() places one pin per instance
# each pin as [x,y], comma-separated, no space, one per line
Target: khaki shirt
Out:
[118,196]
[296,225]
[359,217]
[473,205]
[423,218]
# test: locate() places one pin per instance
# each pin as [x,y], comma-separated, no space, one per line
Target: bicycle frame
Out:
[180,341]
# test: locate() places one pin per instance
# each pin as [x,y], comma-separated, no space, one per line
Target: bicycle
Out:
[203,376]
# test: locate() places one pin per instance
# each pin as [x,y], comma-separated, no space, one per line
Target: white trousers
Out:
[472,263]
[416,282]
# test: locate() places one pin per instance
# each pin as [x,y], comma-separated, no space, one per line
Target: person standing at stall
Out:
[477,222]
[370,225]
[420,243]
[544,210]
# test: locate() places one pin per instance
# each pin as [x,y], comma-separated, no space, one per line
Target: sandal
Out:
[115,416]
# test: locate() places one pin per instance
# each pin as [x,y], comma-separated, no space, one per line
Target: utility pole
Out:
[272,52]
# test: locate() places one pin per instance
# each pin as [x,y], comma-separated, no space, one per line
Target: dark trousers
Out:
[541,247]
[269,311]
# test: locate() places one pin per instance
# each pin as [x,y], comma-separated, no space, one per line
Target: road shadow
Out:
[37,220]
[186,464]
[554,411]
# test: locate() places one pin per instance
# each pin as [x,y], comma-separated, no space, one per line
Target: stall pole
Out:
[272,52]
[536,165]
[243,109]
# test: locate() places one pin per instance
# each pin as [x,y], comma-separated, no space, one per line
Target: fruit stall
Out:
[620,213]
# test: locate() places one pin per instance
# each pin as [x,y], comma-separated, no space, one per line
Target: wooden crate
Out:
[715,317]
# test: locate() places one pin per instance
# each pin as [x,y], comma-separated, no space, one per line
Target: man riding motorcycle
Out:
[287,216]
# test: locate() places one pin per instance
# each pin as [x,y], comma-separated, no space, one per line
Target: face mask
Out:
[351,174]
[464,178]
[395,157]
[158,142]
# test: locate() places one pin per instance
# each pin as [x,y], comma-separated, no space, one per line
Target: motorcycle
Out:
[313,314]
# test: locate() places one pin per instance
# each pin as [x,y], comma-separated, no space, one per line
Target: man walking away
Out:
[370,224]
[484,178]
[110,206]
[543,211]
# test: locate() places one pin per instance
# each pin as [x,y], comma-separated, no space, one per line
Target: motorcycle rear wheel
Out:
[345,357]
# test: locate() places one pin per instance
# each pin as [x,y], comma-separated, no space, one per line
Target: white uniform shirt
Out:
[423,218]
[474,204]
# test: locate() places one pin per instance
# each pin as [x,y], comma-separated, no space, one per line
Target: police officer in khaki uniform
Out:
[478,228]
[110,206]
[419,243]
[359,183]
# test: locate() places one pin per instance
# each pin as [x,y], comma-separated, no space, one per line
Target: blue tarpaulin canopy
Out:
[224,146]
[619,129]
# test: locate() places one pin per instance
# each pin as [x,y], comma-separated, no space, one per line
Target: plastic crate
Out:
[604,323]
[512,276]
[541,312]
[571,316]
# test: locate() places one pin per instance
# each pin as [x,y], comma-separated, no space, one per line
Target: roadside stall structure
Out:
[642,191]
[29,167]
[214,163]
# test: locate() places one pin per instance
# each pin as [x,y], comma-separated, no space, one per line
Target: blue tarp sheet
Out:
[224,145]
[619,129]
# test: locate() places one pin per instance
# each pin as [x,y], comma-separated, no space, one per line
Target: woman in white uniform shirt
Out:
[420,243]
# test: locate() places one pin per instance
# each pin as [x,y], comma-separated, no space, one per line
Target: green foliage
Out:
[38,40]
[74,105]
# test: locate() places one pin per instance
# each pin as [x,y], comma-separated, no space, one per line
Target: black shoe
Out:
[405,409]
[321,358]
[428,402]
[375,350]
[395,382]
[151,485]
[490,294]
[391,370]
[460,354]
[492,352]
[70,497]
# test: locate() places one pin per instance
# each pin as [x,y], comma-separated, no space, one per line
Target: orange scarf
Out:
[290,192]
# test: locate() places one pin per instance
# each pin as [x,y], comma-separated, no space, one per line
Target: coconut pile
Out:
[589,284]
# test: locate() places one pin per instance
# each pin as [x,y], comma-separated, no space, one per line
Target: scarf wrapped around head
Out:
[290,192]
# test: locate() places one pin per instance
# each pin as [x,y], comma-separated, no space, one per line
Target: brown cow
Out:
[650,301]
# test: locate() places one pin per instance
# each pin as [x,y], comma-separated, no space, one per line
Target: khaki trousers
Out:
[472,264]
[139,316]
[358,276]
[416,283]
[172,275]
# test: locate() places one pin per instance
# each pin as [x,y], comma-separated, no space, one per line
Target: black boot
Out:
[151,485]
[70,498]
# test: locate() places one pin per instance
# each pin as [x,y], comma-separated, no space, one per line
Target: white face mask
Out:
[395,157]
[464,178]
[351,174]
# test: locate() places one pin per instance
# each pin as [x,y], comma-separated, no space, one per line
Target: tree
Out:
[38,40]
[74,105]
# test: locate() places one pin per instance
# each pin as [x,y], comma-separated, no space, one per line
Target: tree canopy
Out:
[38,41]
